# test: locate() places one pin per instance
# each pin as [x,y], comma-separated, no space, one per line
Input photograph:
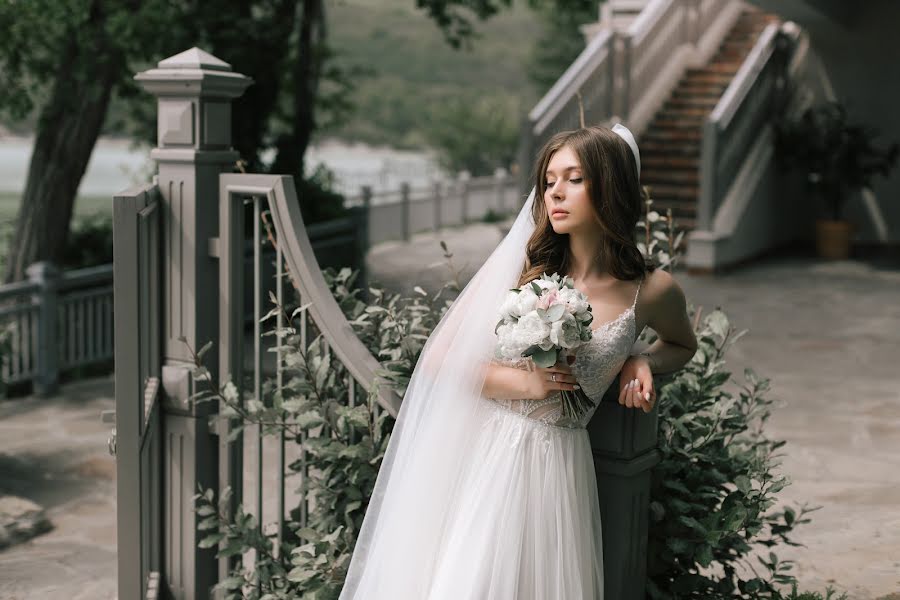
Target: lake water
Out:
[115,166]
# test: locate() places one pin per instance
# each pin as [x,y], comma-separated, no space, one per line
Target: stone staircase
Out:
[670,146]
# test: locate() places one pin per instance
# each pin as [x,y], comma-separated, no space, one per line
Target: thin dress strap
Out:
[634,303]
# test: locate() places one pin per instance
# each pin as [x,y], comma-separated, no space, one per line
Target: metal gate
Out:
[136,439]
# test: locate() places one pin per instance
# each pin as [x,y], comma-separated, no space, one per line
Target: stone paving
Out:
[53,452]
[825,333]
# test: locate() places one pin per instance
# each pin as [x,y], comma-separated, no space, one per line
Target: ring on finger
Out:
[553,377]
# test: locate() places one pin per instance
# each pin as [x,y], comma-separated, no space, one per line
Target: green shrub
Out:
[90,242]
[711,495]
[344,444]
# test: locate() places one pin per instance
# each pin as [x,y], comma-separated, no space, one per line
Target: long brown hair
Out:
[611,179]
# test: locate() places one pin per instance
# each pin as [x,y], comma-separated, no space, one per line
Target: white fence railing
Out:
[397,214]
[55,321]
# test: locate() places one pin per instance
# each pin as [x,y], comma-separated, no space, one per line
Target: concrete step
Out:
[666,148]
[705,90]
[682,102]
[677,123]
[693,114]
[727,68]
[670,176]
[662,192]
[673,135]
[696,76]
[663,161]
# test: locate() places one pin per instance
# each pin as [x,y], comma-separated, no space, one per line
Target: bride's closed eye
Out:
[573,180]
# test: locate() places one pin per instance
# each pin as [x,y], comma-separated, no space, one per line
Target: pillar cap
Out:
[193,73]
[195,58]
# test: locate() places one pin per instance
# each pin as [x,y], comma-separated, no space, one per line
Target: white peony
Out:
[565,332]
[532,329]
[510,307]
[525,302]
[545,284]
[557,317]
[576,301]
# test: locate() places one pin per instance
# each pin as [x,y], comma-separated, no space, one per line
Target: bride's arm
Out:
[504,383]
[500,382]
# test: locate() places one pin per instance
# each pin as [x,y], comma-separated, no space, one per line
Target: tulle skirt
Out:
[527,524]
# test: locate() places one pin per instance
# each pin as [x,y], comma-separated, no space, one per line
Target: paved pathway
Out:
[53,451]
[826,334]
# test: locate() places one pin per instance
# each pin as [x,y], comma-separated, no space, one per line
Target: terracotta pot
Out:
[833,239]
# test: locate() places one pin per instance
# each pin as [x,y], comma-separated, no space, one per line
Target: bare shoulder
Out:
[660,286]
[665,307]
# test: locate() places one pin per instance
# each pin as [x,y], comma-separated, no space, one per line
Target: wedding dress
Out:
[485,499]
[528,525]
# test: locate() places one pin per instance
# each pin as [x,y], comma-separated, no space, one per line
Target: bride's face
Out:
[565,191]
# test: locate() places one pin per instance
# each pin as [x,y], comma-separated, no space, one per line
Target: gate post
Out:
[46,276]
[624,445]
[194,91]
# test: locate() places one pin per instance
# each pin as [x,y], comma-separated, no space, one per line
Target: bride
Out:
[486,490]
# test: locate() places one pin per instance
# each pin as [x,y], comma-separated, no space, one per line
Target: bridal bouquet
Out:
[542,320]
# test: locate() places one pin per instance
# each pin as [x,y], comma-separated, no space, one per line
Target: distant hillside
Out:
[416,71]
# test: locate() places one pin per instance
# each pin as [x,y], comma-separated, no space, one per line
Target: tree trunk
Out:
[306,75]
[67,131]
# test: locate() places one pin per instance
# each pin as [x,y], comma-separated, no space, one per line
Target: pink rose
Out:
[547,300]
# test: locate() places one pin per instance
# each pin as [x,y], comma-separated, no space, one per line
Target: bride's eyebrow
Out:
[566,170]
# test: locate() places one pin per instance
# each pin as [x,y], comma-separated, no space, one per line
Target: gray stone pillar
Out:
[500,190]
[437,192]
[404,207]
[194,91]
[623,441]
[46,276]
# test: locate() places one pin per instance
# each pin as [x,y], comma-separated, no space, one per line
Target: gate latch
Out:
[109,416]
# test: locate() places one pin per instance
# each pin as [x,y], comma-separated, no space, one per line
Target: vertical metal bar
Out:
[257,351]
[107,326]
[279,383]
[95,327]
[304,502]
[18,356]
[351,400]
[73,331]
[89,328]
[34,327]
[82,329]
[231,350]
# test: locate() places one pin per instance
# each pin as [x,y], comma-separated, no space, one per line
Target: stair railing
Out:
[749,102]
[617,68]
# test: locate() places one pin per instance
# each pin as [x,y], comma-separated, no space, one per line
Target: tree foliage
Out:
[477,134]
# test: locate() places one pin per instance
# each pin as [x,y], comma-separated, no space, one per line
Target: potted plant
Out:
[839,159]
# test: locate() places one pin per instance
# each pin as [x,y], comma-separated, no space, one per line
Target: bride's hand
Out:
[643,395]
[541,384]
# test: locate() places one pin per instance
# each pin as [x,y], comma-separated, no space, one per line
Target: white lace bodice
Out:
[597,362]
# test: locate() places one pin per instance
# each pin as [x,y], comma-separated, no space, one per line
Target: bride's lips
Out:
[558,213]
